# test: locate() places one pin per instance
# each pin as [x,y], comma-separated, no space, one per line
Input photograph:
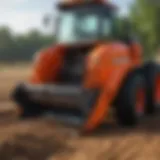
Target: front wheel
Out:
[131,102]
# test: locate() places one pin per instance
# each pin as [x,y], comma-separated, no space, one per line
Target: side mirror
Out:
[127,26]
[47,19]
[125,30]
[50,23]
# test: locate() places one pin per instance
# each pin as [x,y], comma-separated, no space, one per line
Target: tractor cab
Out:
[85,21]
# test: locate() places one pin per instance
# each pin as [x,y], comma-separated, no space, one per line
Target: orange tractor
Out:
[93,66]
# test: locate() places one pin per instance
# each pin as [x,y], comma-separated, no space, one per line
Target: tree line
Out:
[144,15]
[21,47]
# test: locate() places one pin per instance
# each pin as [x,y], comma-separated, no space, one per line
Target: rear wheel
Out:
[130,105]
[151,72]
[157,89]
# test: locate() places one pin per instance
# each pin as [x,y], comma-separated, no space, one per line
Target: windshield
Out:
[82,26]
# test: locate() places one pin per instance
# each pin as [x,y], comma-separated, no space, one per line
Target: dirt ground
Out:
[41,139]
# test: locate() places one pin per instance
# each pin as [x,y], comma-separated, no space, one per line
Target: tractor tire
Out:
[130,106]
[151,73]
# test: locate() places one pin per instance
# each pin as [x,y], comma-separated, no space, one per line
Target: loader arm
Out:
[113,64]
[106,98]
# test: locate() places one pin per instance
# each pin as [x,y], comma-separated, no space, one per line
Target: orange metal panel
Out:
[107,72]
[47,64]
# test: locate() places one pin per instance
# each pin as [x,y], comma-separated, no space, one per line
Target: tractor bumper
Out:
[66,104]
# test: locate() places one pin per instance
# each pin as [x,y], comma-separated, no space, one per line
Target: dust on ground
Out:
[42,139]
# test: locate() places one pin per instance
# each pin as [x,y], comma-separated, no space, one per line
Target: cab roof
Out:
[68,4]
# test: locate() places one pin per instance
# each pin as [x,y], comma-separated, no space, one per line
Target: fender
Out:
[108,74]
[47,64]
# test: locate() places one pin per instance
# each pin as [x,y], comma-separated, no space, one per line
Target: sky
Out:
[22,15]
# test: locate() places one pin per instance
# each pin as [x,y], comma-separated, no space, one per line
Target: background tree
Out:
[144,14]
[21,47]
